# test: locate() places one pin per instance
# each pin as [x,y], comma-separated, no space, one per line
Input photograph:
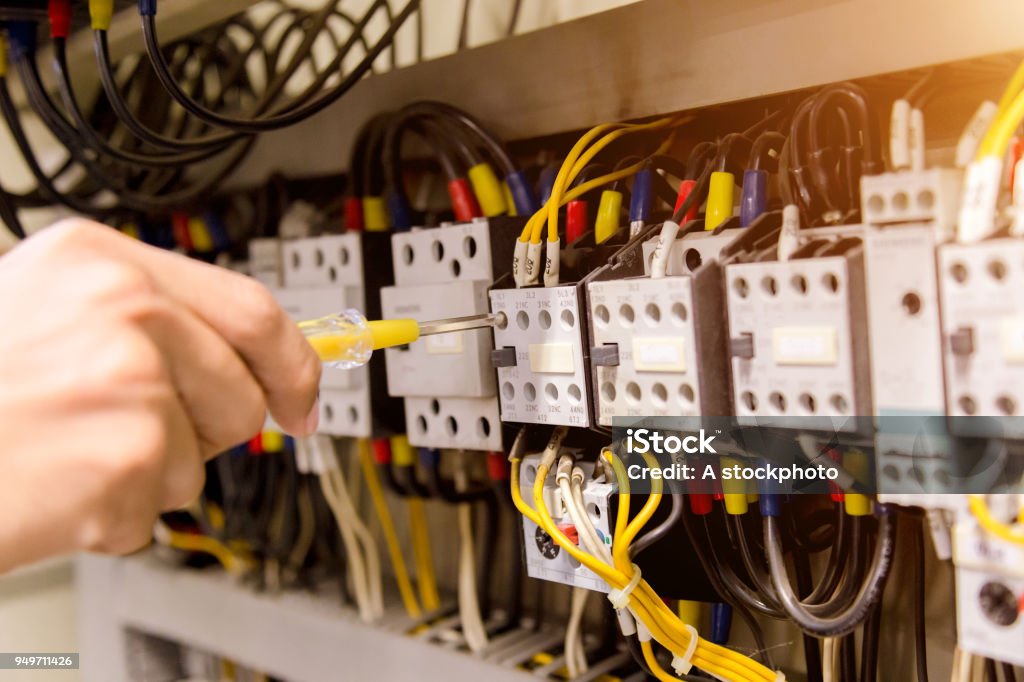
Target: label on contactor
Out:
[659,355]
[1011,339]
[805,345]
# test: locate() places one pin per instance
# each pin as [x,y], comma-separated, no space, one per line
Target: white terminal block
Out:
[454,252]
[989,589]
[797,320]
[651,322]
[982,294]
[545,560]
[324,275]
[548,383]
[446,381]
[931,196]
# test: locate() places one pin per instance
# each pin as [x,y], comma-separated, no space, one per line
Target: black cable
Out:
[289,114]
[661,530]
[869,593]
[1009,673]
[513,19]
[463,27]
[812,649]
[91,139]
[870,644]
[920,636]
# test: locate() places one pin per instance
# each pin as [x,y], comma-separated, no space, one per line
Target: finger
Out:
[184,471]
[222,400]
[238,308]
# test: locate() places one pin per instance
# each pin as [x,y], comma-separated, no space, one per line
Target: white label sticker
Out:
[659,355]
[552,358]
[804,345]
[1011,339]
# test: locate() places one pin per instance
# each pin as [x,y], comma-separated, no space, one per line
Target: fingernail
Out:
[313,418]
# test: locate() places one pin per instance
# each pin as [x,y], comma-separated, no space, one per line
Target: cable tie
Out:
[684,664]
[620,598]
[780,676]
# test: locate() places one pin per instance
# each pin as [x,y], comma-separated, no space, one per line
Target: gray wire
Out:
[871,590]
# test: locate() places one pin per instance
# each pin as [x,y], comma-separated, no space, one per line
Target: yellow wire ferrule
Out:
[608,213]
[375,215]
[488,189]
[3,56]
[101,13]
[856,462]
[734,491]
[720,199]
[402,453]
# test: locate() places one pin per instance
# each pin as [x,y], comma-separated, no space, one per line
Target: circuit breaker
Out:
[544,558]
[989,594]
[327,274]
[796,336]
[983,335]
[447,382]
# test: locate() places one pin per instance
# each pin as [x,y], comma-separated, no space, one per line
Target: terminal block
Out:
[792,328]
[989,592]
[658,346]
[927,196]
[545,560]
[448,382]
[983,333]
[541,356]
[327,274]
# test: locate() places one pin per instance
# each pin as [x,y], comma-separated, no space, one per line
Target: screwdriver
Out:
[347,339]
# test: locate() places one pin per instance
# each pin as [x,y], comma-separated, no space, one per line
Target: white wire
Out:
[575,654]
[371,552]
[353,556]
[469,605]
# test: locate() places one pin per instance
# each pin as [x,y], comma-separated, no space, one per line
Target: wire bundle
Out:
[135,151]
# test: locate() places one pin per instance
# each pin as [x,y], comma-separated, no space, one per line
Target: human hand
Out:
[123,368]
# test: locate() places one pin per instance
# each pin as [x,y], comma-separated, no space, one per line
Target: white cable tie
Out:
[780,676]
[620,598]
[684,664]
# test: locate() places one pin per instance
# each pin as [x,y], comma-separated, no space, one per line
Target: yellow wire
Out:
[421,549]
[1013,88]
[982,514]
[192,542]
[663,624]
[388,527]
[535,226]
[998,137]
[652,663]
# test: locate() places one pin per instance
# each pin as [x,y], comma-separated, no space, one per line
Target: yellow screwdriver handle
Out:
[346,340]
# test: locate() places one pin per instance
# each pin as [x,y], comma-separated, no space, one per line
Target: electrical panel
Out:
[796,338]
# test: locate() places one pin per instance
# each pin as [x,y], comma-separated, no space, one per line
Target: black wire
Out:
[812,650]
[291,113]
[661,530]
[513,19]
[1009,673]
[920,636]
[463,27]
[869,645]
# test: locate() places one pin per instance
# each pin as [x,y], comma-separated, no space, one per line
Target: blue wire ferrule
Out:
[754,198]
[147,8]
[522,193]
[429,457]
[721,623]
[22,35]
[641,196]
[399,210]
